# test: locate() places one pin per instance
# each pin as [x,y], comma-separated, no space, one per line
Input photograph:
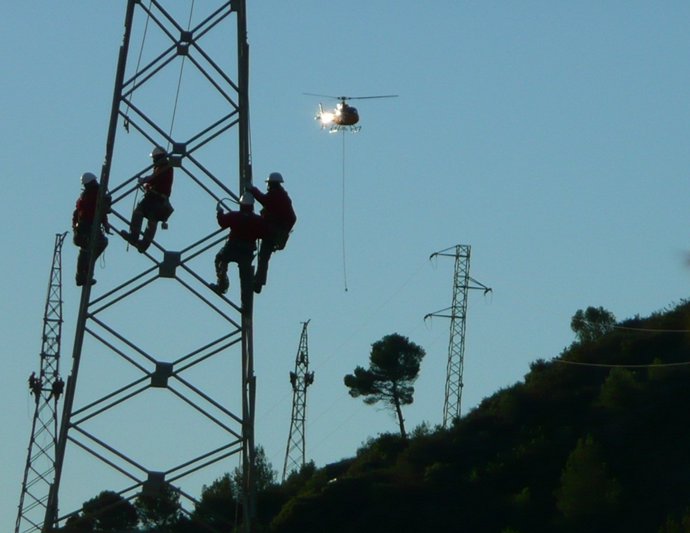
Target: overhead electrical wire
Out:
[607,365]
[651,330]
[353,331]
[649,365]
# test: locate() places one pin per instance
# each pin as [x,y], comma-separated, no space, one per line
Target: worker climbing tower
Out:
[457,313]
[46,389]
[300,379]
[160,395]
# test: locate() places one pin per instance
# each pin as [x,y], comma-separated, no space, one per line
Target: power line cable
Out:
[611,365]
[651,330]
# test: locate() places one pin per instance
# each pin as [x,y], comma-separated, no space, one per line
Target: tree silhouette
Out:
[587,493]
[220,504]
[264,475]
[160,511]
[592,323]
[106,512]
[394,365]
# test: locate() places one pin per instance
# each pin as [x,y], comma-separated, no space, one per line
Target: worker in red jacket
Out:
[246,228]
[82,222]
[280,218]
[155,206]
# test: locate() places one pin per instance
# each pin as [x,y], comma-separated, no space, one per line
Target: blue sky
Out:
[550,136]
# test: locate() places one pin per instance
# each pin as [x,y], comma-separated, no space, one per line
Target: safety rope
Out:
[134,206]
[179,79]
[220,204]
[102,260]
[136,71]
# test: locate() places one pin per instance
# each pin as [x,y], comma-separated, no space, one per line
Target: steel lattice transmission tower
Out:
[300,379]
[46,388]
[166,385]
[457,313]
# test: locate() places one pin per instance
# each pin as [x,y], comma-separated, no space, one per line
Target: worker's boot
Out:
[261,273]
[82,268]
[259,281]
[221,275]
[126,235]
[222,286]
[136,222]
[149,234]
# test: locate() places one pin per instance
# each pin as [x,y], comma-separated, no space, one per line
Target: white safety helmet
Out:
[88,177]
[157,152]
[275,177]
[247,199]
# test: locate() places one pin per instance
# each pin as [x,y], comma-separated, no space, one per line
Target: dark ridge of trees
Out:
[571,448]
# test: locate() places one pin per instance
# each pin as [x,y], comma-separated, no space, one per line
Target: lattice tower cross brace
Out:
[300,379]
[40,460]
[458,323]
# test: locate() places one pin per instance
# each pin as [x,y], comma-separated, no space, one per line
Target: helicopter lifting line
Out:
[342,119]
[342,221]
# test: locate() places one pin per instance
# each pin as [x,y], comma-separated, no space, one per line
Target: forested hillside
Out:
[595,439]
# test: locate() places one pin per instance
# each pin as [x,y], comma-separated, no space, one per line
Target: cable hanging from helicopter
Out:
[343,117]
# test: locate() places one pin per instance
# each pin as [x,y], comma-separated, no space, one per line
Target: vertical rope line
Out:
[342,221]
[179,79]
[136,71]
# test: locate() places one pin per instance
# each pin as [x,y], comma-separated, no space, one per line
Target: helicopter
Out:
[344,117]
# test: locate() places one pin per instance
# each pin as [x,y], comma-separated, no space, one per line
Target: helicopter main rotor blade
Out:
[323,95]
[343,98]
[370,97]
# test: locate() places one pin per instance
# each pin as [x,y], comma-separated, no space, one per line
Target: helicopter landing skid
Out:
[351,129]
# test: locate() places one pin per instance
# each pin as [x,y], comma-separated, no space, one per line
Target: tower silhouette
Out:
[161,388]
[457,313]
[300,379]
[46,389]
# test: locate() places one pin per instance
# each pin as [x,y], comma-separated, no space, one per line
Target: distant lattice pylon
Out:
[457,313]
[46,388]
[300,378]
